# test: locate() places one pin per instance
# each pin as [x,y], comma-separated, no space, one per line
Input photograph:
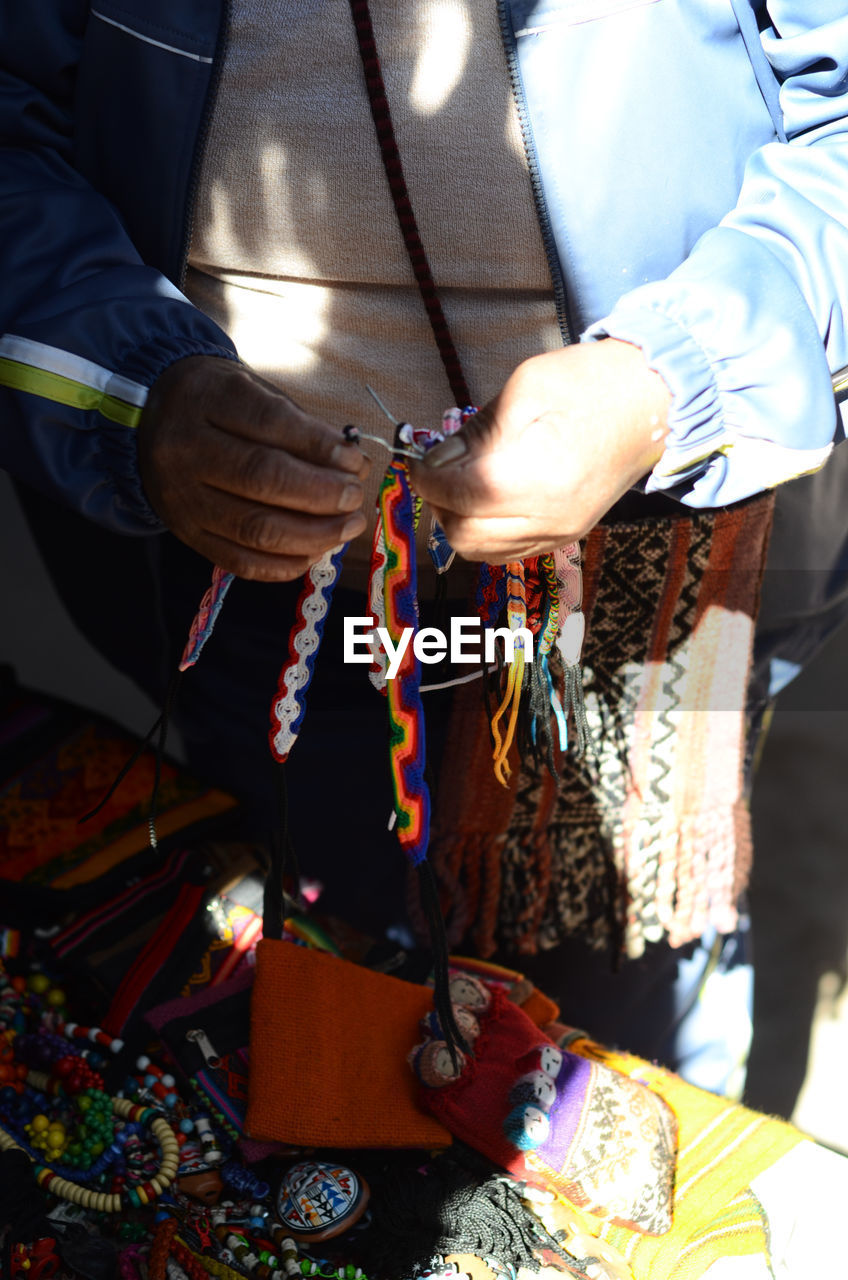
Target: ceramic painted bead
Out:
[317,1201]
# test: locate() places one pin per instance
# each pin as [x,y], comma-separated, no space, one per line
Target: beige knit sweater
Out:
[296,251]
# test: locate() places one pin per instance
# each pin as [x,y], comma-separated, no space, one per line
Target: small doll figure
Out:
[527,1126]
[465,1020]
[433,1064]
[542,1057]
[536,1087]
[469,992]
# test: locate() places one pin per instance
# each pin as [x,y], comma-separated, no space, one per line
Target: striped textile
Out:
[646,835]
[722,1147]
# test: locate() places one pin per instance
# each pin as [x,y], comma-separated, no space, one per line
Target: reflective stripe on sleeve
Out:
[67,379]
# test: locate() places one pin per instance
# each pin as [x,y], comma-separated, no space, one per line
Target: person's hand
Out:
[568,434]
[240,473]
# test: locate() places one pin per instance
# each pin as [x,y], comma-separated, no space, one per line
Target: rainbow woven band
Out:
[206,617]
[289,706]
[378,670]
[406,715]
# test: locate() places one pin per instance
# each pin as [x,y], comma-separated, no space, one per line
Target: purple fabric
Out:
[184,1005]
[572,1086]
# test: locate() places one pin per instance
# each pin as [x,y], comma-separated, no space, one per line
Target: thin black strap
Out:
[283,867]
[459,388]
[403,205]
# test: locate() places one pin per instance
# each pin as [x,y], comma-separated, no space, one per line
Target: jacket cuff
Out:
[144,364]
[696,429]
[119,444]
[732,338]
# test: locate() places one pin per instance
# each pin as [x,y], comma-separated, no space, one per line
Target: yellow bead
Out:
[38,982]
[56,997]
[39,1124]
[55,1141]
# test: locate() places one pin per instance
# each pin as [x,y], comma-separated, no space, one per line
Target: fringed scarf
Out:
[647,835]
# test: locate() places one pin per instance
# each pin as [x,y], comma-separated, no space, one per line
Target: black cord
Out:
[277,901]
[160,727]
[164,725]
[453,1037]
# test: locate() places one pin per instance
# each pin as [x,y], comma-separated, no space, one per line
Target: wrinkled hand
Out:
[568,434]
[243,475]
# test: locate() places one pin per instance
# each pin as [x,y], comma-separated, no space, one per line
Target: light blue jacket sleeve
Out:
[750,330]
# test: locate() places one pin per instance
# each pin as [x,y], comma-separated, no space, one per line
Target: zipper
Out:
[202,138]
[554,265]
[205,1045]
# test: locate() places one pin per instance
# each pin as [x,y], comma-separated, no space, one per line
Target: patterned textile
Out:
[225,1086]
[722,1147]
[57,763]
[558,1120]
[231,951]
[647,836]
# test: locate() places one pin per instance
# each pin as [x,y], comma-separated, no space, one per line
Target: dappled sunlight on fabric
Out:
[289,187]
[444,51]
[281,324]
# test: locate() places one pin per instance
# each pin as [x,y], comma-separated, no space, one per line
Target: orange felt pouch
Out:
[328,1048]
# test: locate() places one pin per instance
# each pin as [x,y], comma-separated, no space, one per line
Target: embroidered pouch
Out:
[549,1117]
[722,1148]
[204,1027]
[206,1036]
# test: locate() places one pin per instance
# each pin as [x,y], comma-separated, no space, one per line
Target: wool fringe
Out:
[467,874]
[680,889]
[692,882]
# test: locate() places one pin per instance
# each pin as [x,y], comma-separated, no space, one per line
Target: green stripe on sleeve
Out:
[52,386]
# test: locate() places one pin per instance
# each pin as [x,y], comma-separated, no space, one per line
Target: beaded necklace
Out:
[102,1202]
[233,1239]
